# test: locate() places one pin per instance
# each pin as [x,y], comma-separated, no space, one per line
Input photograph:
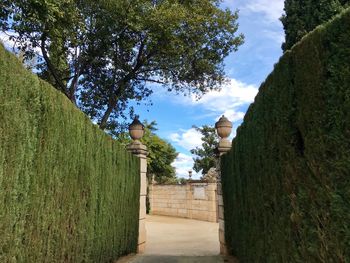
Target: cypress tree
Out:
[285,182]
[68,192]
[302,16]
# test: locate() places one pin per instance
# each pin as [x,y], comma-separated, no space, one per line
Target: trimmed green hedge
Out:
[286,181]
[68,192]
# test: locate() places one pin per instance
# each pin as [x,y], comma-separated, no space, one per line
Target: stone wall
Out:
[193,200]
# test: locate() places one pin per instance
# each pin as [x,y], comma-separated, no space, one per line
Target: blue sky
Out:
[246,69]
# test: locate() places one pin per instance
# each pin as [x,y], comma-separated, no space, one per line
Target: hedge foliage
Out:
[68,192]
[286,181]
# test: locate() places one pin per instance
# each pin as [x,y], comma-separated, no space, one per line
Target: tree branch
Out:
[74,84]
[151,80]
[51,67]
[121,84]
[112,102]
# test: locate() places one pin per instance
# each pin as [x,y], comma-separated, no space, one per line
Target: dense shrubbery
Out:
[286,181]
[68,193]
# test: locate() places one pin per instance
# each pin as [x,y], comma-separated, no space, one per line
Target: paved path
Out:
[180,236]
[178,240]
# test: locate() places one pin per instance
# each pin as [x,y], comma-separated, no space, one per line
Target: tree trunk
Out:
[121,86]
[112,103]
[103,122]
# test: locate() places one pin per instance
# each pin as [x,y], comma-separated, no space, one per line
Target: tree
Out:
[56,28]
[206,154]
[102,54]
[161,154]
[302,16]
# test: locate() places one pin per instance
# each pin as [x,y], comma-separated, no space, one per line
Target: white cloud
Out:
[183,164]
[278,37]
[12,45]
[5,39]
[188,139]
[228,100]
[233,116]
[271,9]
[234,92]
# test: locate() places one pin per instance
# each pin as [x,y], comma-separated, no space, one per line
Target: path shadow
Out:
[178,259]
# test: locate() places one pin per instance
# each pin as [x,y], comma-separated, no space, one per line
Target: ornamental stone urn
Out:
[223,128]
[190,174]
[136,129]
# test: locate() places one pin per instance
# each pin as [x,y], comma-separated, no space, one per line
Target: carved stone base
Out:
[137,148]
[223,249]
[224,146]
[141,248]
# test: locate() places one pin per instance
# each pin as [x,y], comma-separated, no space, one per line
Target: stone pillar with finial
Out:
[136,131]
[190,175]
[223,128]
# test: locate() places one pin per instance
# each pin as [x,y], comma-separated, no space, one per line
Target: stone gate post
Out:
[136,130]
[223,128]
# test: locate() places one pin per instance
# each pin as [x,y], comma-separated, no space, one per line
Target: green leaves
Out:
[303,16]
[161,154]
[104,54]
[205,155]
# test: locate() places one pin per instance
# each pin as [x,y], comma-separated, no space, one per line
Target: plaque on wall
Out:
[199,192]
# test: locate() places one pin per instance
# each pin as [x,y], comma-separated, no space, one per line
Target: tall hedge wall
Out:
[286,181]
[68,193]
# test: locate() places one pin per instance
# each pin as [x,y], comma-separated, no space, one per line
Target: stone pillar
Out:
[140,150]
[150,193]
[223,127]
[189,199]
[221,219]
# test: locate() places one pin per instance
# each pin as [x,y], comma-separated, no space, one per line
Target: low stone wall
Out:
[193,200]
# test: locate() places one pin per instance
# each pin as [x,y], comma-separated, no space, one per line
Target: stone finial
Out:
[223,128]
[136,129]
[190,174]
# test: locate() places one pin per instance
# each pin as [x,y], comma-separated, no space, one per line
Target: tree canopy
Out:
[206,154]
[102,54]
[302,16]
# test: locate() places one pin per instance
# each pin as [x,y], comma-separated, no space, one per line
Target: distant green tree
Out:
[302,16]
[161,154]
[182,180]
[206,154]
